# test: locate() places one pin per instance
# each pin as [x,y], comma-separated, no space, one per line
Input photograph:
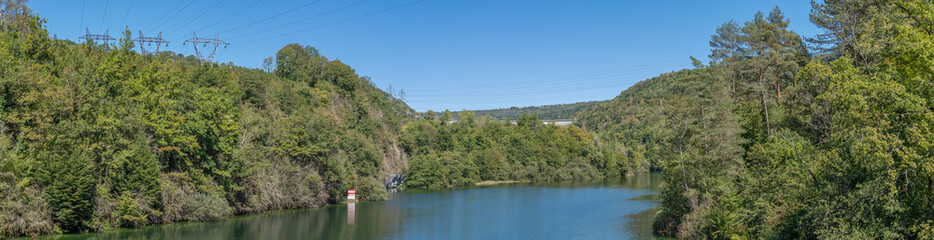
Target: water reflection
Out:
[350,213]
[610,209]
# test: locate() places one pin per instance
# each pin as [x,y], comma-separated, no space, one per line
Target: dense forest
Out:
[97,136]
[782,137]
[483,148]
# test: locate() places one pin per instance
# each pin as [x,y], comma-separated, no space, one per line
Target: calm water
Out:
[612,209]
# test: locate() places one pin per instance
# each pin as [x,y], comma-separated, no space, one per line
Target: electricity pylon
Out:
[195,40]
[105,38]
[150,40]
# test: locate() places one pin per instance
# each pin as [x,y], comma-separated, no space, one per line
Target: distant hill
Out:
[546,112]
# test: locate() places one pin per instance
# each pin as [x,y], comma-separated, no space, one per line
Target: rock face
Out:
[395,180]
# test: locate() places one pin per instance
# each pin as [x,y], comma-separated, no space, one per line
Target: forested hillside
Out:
[483,148]
[637,120]
[773,140]
[95,136]
[546,112]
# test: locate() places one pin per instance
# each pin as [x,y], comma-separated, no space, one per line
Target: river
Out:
[609,209]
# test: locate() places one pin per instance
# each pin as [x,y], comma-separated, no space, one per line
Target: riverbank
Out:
[493,183]
[481,212]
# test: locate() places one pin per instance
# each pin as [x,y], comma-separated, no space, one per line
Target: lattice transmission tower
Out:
[150,40]
[195,40]
[105,38]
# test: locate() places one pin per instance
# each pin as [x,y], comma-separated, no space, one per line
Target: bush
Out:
[23,209]
[278,185]
[372,190]
[129,209]
[135,210]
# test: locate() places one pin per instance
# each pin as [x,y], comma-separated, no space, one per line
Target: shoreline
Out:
[493,183]
[271,212]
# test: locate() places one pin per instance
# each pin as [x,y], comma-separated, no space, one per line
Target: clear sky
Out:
[445,54]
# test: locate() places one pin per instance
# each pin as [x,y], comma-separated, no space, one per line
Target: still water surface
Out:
[610,209]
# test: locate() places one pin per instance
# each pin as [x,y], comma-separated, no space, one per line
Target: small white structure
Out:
[351,194]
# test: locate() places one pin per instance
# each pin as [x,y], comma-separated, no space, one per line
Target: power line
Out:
[564,64]
[196,16]
[565,82]
[91,18]
[166,14]
[571,76]
[81,24]
[301,20]
[579,95]
[586,82]
[224,50]
[271,17]
[104,16]
[228,16]
[539,82]
[127,13]
[337,22]
[616,81]
[173,15]
[533,95]
[592,82]
[610,89]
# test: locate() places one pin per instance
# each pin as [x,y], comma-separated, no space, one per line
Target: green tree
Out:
[137,171]
[298,63]
[69,184]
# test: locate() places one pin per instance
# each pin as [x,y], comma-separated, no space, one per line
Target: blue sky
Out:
[445,54]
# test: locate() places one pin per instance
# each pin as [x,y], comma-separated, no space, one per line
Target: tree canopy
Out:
[773,141]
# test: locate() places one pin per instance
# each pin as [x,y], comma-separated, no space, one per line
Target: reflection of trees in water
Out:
[649,181]
[640,224]
[532,209]
[371,221]
[645,181]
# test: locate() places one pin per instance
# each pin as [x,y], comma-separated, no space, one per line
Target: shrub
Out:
[135,210]
[23,209]
[372,190]
[182,202]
